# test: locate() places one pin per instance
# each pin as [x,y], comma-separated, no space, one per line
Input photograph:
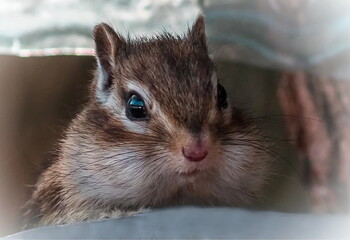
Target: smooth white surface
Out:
[202,223]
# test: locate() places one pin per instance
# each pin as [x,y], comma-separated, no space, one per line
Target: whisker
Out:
[245,142]
[285,115]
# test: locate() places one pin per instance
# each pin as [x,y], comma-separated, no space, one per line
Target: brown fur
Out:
[109,163]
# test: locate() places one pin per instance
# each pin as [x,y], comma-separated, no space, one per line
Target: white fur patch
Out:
[114,102]
[214,79]
[102,77]
[162,117]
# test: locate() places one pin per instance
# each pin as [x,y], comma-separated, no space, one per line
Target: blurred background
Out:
[285,62]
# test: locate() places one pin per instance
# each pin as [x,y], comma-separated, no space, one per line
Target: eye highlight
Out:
[222,97]
[136,108]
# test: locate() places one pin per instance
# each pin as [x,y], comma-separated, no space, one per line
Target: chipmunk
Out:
[158,130]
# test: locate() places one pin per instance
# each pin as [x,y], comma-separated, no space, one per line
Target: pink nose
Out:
[195,153]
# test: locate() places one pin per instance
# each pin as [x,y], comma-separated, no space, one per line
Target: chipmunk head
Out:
[158,118]
[164,89]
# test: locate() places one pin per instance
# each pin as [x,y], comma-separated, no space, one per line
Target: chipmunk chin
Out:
[190,173]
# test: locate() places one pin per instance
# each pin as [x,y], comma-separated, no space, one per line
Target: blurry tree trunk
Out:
[317,116]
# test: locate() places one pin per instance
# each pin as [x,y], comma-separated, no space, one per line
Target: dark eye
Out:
[222,97]
[136,108]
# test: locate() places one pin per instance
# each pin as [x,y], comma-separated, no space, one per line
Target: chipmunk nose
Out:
[195,152]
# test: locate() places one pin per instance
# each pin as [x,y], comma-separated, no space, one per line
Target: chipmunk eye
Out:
[136,108]
[222,97]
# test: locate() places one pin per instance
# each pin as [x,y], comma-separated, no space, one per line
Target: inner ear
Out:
[197,33]
[107,46]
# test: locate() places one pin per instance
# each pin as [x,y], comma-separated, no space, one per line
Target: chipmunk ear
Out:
[107,46]
[197,34]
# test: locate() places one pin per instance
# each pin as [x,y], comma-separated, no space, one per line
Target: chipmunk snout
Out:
[195,151]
